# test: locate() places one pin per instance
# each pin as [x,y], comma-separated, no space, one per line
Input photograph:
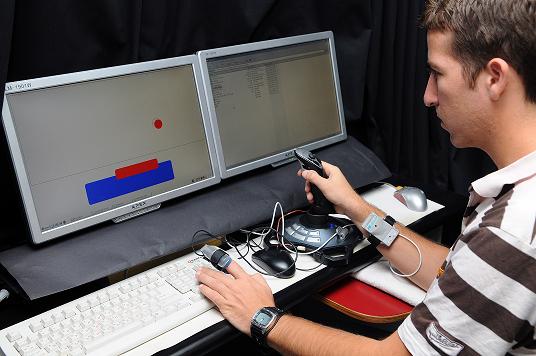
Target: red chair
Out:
[363,302]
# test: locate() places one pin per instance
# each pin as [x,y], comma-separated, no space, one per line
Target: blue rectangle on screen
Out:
[112,187]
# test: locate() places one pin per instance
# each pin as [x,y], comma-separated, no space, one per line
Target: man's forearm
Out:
[402,254]
[297,336]
[405,257]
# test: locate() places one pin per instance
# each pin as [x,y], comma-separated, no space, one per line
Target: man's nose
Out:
[430,94]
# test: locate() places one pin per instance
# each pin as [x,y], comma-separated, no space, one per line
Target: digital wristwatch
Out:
[263,322]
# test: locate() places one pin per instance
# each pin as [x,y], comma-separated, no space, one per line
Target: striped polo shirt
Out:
[485,301]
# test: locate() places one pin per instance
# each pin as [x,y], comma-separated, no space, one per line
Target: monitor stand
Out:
[283,161]
[133,214]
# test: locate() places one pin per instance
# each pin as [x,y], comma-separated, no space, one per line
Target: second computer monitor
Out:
[267,98]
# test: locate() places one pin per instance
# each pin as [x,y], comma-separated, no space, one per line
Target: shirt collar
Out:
[491,185]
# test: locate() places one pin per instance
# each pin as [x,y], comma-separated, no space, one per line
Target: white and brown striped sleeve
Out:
[485,302]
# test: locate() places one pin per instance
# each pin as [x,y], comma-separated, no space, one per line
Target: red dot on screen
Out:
[157,123]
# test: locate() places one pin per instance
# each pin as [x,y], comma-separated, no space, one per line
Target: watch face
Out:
[263,319]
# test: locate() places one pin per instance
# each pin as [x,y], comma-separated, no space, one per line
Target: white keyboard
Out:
[114,319]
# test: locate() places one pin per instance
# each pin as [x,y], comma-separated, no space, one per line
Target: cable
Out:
[204,232]
[420,260]
[262,232]
[280,238]
[249,241]
[282,220]
[282,242]
[319,247]
[310,269]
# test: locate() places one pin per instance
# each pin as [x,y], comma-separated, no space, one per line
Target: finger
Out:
[328,168]
[215,276]
[211,272]
[314,178]
[211,294]
[236,271]
[309,174]
[213,282]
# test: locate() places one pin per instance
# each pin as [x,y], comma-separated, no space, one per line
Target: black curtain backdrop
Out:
[395,124]
[380,49]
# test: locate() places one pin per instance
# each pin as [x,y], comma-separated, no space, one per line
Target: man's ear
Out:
[497,74]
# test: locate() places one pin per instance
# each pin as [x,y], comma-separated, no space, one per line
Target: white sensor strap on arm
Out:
[380,229]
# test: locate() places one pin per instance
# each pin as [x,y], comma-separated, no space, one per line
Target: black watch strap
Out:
[259,333]
[389,219]
[373,240]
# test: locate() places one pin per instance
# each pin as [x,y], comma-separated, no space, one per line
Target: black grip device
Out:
[309,161]
[219,258]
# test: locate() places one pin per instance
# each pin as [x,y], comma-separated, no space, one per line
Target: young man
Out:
[481,295]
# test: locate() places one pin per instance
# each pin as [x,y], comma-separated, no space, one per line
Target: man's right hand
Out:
[337,190]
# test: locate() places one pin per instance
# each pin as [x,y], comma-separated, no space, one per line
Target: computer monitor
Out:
[108,143]
[267,98]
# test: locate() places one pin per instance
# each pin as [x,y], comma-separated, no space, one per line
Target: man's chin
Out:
[458,143]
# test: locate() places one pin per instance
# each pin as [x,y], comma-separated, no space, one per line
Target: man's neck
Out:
[515,137]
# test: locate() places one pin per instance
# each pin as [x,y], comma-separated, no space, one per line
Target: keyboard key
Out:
[57,318]
[83,306]
[47,321]
[13,336]
[123,331]
[67,313]
[163,273]
[35,326]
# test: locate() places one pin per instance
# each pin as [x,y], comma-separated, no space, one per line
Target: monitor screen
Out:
[95,145]
[267,98]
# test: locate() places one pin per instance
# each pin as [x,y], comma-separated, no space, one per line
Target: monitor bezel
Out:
[285,155]
[37,235]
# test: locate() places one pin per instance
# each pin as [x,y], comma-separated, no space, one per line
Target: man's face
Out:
[460,108]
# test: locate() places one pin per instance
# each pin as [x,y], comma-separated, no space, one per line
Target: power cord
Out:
[235,244]
[251,244]
[281,238]
[201,232]
[420,260]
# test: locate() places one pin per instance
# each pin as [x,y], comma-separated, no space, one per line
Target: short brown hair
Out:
[486,29]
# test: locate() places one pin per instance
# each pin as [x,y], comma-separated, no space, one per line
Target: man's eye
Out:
[432,71]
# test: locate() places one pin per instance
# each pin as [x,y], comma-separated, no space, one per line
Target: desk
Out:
[222,332]
[218,334]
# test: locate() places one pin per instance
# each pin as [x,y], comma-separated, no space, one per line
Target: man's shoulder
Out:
[513,213]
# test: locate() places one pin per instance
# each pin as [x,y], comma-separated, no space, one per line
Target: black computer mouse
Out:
[275,261]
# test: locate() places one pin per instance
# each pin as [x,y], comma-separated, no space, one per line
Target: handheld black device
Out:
[308,161]
[314,228]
